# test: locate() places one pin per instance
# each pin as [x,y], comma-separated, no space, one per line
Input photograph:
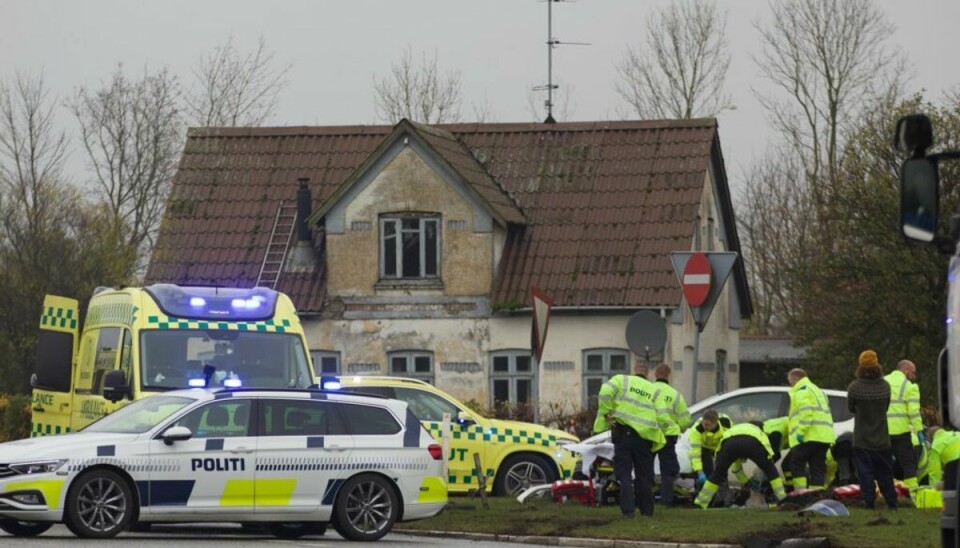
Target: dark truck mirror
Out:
[914,134]
[115,386]
[919,199]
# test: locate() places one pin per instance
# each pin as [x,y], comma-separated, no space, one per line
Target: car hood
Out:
[517,426]
[60,446]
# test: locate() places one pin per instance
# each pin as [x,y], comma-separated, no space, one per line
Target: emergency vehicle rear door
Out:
[53,379]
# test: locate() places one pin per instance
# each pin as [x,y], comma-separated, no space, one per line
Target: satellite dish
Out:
[646,333]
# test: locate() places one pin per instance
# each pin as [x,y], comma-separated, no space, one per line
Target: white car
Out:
[292,459]
[755,403]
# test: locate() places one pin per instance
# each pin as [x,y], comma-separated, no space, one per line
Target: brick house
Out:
[421,244]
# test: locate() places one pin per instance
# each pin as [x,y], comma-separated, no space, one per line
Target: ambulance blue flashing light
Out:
[197,383]
[215,303]
[232,383]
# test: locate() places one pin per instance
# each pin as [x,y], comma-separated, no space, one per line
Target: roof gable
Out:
[446,155]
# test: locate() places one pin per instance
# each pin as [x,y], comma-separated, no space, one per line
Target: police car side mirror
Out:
[115,386]
[176,433]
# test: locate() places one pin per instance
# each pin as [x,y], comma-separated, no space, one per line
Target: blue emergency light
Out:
[214,303]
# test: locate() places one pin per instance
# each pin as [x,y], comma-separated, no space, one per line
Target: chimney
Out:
[302,257]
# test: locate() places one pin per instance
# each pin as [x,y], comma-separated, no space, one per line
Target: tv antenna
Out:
[552,43]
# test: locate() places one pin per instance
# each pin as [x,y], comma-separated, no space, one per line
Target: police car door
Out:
[212,472]
[303,450]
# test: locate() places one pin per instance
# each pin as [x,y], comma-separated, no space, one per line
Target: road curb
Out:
[560,541]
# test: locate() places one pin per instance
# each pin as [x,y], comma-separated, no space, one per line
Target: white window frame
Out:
[604,373]
[319,355]
[512,375]
[397,221]
[410,372]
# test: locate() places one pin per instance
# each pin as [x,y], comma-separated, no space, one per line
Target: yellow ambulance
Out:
[135,342]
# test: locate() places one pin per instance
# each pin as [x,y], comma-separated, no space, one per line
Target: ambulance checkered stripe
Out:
[113,313]
[267,326]
[54,316]
[504,435]
[302,464]
[129,465]
[40,429]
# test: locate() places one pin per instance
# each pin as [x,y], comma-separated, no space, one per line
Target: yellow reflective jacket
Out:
[701,439]
[628,400]
[903,415]
[671,408]
[810,414]
[944,449]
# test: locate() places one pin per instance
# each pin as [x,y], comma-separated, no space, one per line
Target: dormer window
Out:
[409,246]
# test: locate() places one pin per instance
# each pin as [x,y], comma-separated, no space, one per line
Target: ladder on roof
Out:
[283,226]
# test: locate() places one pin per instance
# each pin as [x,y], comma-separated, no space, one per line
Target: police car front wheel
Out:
[366,508]
[24,528]
[99,505]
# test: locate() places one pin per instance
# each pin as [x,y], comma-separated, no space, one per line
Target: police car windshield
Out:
[140,416]
[181,358]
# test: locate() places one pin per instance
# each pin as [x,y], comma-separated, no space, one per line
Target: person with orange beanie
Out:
[868,398]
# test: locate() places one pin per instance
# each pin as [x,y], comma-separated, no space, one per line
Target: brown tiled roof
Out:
[604,202]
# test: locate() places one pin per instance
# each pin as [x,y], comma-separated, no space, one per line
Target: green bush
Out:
[15,417]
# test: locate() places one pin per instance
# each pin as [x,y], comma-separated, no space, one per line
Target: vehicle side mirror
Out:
[464,419]
[115,386]
[919,199]
[914,134]
[176,433]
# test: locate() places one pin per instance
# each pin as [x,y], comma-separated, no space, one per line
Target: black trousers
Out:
[706,457]
[812,454]
[875,466]
[633,455]
[904,456]
[742,447]
[669,469]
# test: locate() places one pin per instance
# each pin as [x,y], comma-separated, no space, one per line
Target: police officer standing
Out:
[903,420]
[811,431]
[626,407]
[674,419]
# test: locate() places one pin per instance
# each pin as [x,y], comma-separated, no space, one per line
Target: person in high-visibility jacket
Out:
[943,456]
[778,432]
[904,422]
[810,430]
[674,419]
[625,406]
[705,436]
[739,443]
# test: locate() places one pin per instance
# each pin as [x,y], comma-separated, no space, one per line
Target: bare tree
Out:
[32,153]
[418,92]
[133,136]
[680,71]
[827,57]
[234,88]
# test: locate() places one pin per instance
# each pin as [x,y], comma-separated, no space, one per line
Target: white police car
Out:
[293,460]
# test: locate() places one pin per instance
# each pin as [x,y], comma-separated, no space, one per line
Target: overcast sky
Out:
[336,47]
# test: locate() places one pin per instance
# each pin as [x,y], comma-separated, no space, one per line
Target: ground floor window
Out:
[412,363]
[599,364]
[512,384]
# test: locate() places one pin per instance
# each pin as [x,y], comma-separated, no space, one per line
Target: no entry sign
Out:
[696,279]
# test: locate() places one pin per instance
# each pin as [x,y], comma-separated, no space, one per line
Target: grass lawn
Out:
[542,517]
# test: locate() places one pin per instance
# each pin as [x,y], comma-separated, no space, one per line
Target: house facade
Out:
[422,243]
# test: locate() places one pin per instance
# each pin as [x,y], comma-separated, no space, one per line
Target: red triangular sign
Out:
[541,319]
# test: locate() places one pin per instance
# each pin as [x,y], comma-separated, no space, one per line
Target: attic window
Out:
[410,247]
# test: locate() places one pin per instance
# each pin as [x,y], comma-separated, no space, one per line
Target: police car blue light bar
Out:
[215,303]
[232,383]
[330,383]
[196,383]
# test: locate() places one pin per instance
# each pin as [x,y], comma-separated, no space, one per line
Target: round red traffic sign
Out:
[696,279]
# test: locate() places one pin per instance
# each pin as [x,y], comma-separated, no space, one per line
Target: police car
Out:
[515,455]
[292,459]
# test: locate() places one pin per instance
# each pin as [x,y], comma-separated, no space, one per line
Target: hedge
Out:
[15,417]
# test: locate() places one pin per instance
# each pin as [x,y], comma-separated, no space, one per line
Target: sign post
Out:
[702,276]
[541,305]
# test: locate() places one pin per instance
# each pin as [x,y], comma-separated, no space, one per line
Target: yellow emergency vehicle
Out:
[515,455]
[135,342]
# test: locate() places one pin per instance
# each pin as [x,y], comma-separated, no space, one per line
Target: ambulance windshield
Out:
[184,358]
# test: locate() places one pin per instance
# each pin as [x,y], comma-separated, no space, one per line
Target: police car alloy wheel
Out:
[522,471]
[99,505]
[24,528]
[366,508]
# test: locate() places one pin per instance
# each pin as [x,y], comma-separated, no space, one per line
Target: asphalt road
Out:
[206,536]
